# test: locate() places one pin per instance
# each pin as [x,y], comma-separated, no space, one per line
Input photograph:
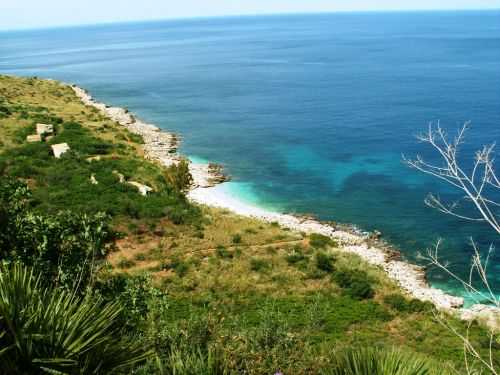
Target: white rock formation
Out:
[159,145]
[59,149]
[33,138]
[143,189]
[44,129]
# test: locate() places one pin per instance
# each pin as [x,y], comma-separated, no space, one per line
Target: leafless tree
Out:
[479,187]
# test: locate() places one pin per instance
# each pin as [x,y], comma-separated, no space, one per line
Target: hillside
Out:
[204,288]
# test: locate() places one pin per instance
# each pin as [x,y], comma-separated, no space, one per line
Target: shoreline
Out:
[161,146]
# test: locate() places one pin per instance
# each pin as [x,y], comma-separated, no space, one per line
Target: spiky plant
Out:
[369,361]
[46,330]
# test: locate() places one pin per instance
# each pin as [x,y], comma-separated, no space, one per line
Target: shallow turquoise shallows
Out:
[310,114]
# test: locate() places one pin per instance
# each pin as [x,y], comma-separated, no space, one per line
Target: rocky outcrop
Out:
[159,145]
[59,149]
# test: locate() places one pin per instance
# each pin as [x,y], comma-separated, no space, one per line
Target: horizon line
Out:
[249,15]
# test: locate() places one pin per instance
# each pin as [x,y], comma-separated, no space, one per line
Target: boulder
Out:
[143,189]
[59,149]
[44,129]
[34,138]
[120,176]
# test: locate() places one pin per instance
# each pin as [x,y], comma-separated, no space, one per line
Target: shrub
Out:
[136,295]
[135,138]
[179,177]
[355,283]
[140,257]
[49,330]
[296,257]
[324,262]
[369,361]
[223,253]
[125,263]
[416,305]
[320,241]
[236,239]
[60,245]
[400,303]
[259,265]
[180,267]
[4,111]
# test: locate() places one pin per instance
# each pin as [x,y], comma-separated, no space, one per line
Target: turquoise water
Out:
[309,114]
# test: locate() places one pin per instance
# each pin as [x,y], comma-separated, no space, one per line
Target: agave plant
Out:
[46,330]
[382,362]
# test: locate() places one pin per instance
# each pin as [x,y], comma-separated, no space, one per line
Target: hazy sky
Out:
[15,14]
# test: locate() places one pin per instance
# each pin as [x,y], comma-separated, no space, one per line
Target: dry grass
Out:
[60,100]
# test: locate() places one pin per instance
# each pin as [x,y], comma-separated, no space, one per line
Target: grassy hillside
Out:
[203,287]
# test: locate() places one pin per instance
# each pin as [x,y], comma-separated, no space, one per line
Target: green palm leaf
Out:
[382,362]
[52,331]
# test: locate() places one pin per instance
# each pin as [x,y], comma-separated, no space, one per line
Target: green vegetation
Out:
[60,245]
[356,284]
[377,362]
[324,262]
[320,241]
[183,289]
[47,330]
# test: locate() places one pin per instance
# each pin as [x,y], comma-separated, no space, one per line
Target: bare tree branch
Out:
[480,189]
[474,185]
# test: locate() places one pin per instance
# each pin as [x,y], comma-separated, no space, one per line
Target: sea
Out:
[309,113]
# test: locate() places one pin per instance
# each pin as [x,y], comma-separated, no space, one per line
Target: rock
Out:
[33,138]
[143,189]
[59,149]
[44,129]
[158,145]
[489,315]
[121,177]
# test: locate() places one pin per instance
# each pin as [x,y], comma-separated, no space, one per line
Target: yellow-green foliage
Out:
[100,149]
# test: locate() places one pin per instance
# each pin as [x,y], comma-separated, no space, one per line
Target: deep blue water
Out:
[310,114]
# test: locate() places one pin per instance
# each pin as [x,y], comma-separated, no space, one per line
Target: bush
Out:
[223,253]
[401,304]
[4,111]
[135,138]
[179,177]
[324,262]
[180,267]
[236,239]
[49,330]
[136,295]
[320,241]
[59,245]
[296,257]
[259,265]
[140,257]
[356,284]
[125,263]
[370,361]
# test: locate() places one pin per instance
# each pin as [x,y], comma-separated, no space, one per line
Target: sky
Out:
[22,14]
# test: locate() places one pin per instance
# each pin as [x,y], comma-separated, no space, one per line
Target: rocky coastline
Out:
[159,145]
[162,147]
